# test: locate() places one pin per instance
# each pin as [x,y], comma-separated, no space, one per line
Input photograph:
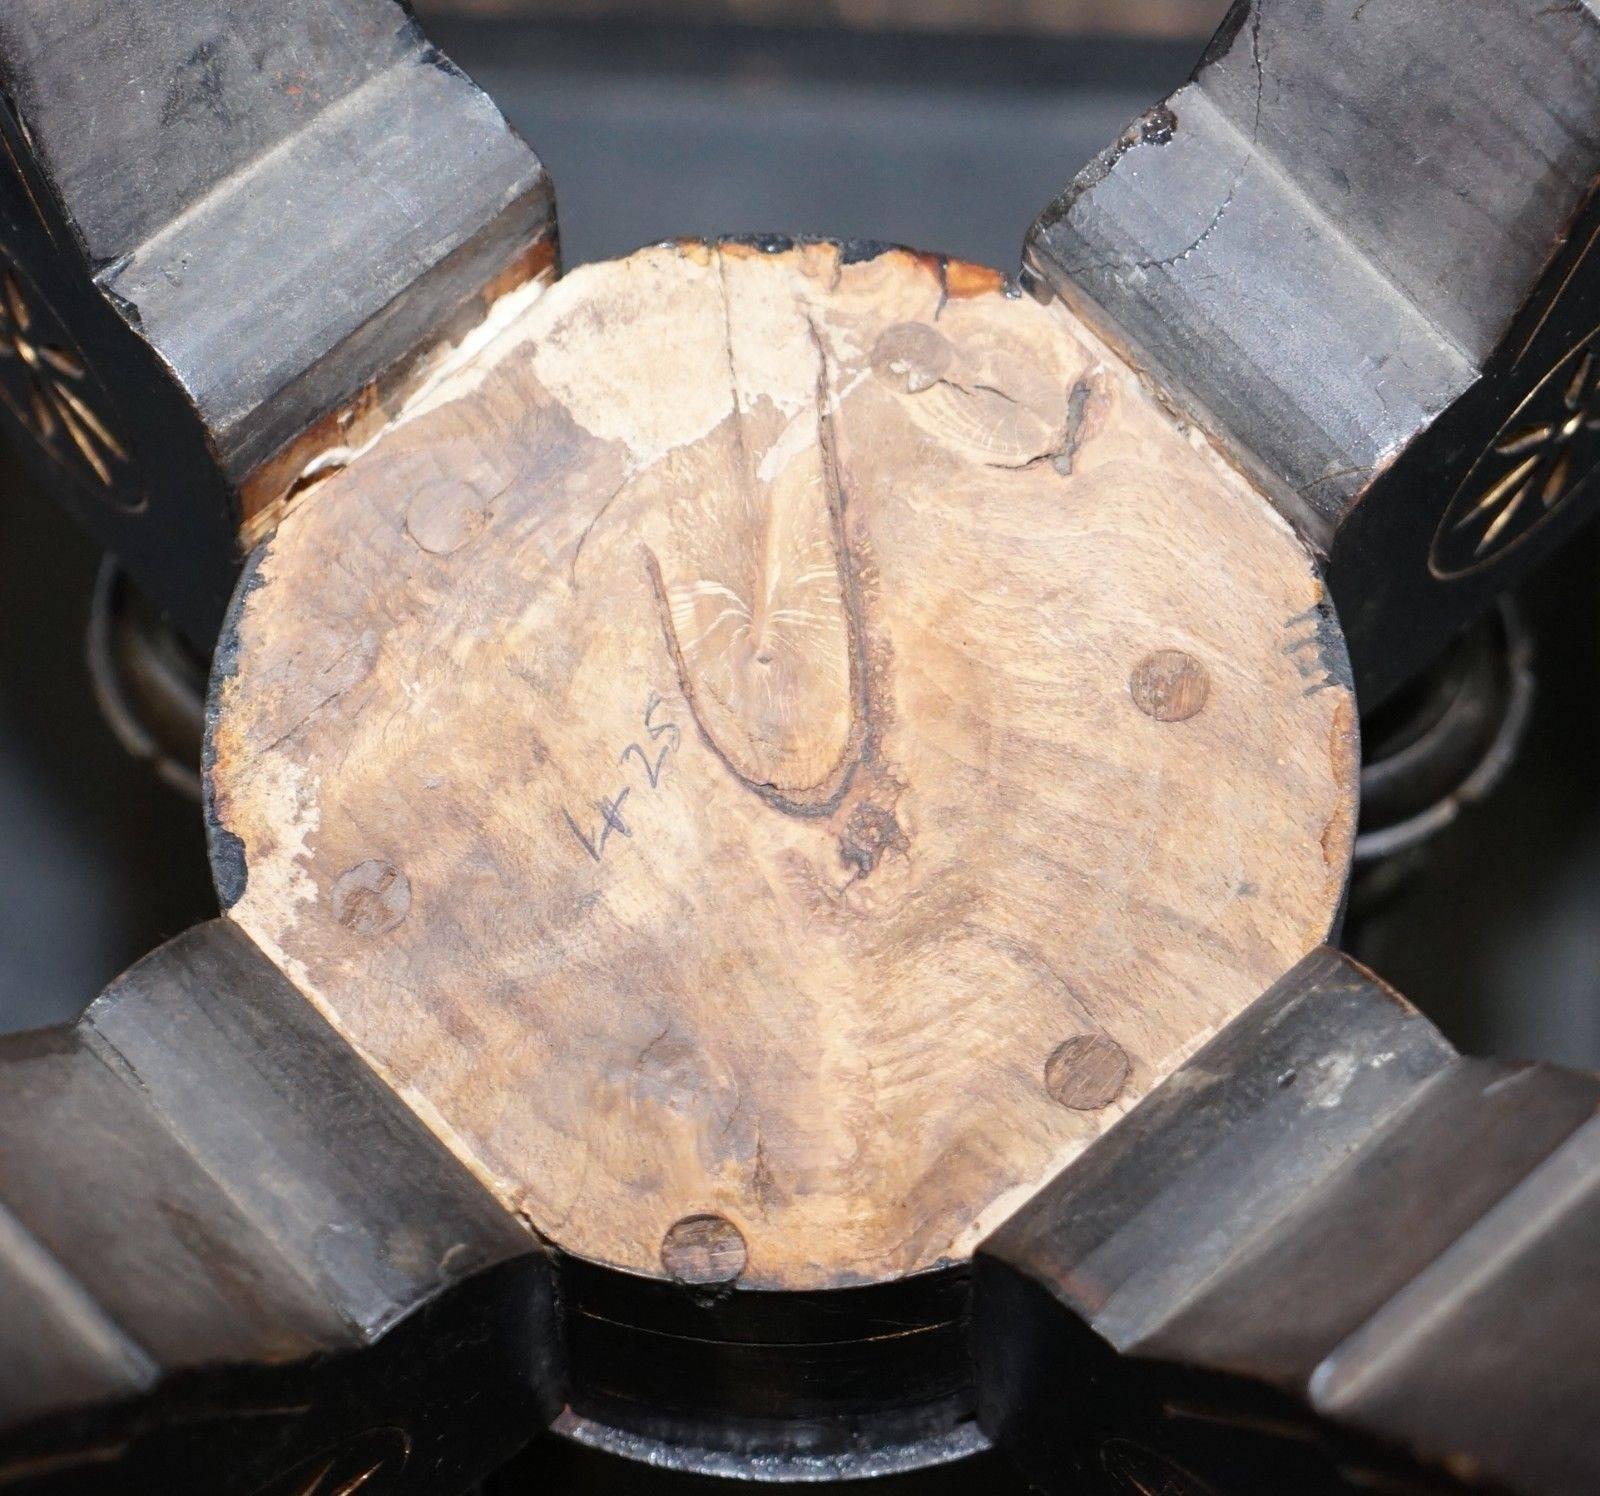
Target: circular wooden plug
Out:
[692,756]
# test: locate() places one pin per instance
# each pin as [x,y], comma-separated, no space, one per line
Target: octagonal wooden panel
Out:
[790,741]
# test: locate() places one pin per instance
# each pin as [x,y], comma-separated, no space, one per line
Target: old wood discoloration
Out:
[1086,1072]
[735,658]
[1169,685]
[703,1249]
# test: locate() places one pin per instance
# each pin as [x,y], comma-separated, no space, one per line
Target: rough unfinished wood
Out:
[693,756]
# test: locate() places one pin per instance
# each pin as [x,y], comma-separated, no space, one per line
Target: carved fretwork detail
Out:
[47,385]
[1537,460]
[369,1462]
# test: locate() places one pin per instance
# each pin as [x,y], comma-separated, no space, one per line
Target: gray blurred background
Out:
[944,124]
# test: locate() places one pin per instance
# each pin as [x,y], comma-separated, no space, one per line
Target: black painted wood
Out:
[230,1257]
[1362,247]
[1326,1255]
[838,1383]
[217,225]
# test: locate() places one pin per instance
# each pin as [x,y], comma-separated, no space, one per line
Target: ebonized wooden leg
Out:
[1362,248]
[1327,1254]
[230,237]
[232,1261]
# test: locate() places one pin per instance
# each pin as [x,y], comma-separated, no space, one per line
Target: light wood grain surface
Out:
[796,742]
